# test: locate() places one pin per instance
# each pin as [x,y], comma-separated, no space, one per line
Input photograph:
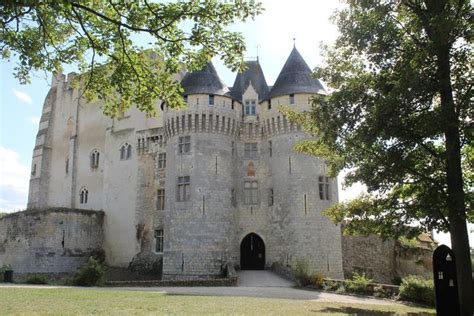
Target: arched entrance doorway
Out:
[252,253]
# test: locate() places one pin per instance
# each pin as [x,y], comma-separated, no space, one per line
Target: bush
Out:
[301,273]
[358,284]
[408,243]
[37,279]
[330,285]
[341,290]
[92,273]
[318,281]
[417,289]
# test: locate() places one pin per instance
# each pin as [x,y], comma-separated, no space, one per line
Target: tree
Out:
[99,36]
[400,119]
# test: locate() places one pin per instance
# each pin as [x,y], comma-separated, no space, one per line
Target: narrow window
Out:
[233,198]
[184,144]
[232,105]
[270,197]
[162,161]
[324,188]
[185,99]
[211,99]
[184,193]
[269,104]
[94,159]
[125,151]
[33,170]
[292,99]
[159,240]
[251,192]
[83,196]
[270,149]
[250,150]
[160,202]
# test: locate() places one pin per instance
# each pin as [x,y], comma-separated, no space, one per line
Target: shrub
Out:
[301,273]
[408,243]
[330,285]
[396,280]
[92,273]
[37,279]
[417,289]
[341,289]
[358,284]
[318,281]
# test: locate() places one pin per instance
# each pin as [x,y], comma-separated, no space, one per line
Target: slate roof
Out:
[295,77]
[204,81]
[252,74]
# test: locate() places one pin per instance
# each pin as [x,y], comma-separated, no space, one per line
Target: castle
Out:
[193,189]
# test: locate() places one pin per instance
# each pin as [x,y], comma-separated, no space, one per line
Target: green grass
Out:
[76,301]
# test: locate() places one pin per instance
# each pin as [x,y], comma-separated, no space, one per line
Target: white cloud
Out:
[34,120]
[14,181]
[23,97]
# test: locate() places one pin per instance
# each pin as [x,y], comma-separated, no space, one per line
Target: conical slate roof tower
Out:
[252,74]
[204,81]
[295,77]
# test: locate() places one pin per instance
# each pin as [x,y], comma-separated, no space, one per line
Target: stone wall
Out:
[50,241]
[384,261]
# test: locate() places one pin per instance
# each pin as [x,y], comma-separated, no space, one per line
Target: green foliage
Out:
[91,274]
[37,279]
[408,243]
[301,272]
[4,268]
[417,289]
[99,37]
[358,284]
[341,290]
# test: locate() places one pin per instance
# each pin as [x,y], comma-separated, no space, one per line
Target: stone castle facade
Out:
[194,189]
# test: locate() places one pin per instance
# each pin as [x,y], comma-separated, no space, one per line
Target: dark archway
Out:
[252,253]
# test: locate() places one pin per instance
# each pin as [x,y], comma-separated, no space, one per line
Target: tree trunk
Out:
[454,181]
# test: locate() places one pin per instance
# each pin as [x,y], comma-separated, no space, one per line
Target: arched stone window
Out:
[94,157]
[83,196]
[125,151]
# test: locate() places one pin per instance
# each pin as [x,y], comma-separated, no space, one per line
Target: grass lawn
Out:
[21,301]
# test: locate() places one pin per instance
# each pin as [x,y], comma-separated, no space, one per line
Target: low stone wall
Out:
[50,241]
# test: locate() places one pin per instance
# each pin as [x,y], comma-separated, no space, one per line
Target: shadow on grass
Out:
[366,312]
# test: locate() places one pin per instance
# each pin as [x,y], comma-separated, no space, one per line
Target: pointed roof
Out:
[295,77]
[252,74]
[204,81]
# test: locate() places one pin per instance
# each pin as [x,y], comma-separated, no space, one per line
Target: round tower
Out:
[301,188]
[200,143]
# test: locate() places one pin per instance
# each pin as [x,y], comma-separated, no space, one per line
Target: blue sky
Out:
[271,35]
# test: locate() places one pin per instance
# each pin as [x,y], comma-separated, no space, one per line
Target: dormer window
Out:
[211,99]
[251,107]
[292,99]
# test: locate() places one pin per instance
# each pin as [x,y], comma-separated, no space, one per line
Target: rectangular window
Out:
[250,150]
[251,192]
[324,188]
[185,99]
[162,161]
[159,240]
[270,197]
[269,104]
[292,99]
[232,105]
[184,193]
[270,149]
[160,202]
[184,144]
[250,107]
[211,99]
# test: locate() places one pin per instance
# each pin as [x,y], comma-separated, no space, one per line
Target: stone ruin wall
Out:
[50,241]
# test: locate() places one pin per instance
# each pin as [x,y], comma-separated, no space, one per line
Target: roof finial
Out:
[257,51]
[294,42]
